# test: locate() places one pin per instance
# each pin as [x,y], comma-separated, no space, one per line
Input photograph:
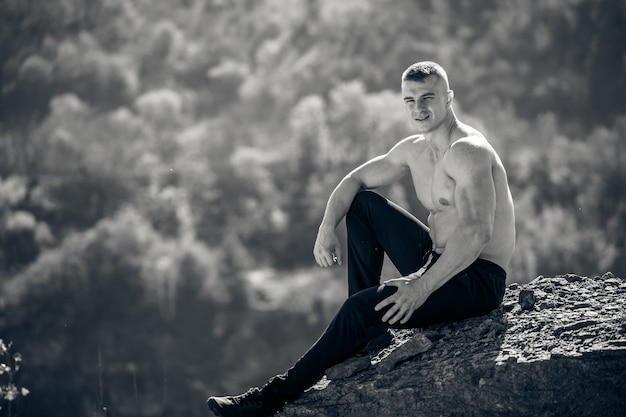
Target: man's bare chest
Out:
[433,186]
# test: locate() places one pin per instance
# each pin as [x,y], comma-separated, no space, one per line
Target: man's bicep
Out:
[475,194]
[377,172]
[475,199]
[381,170]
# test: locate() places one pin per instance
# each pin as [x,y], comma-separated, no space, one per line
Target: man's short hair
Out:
[420,70]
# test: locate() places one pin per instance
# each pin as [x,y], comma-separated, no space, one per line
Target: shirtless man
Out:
[452,269]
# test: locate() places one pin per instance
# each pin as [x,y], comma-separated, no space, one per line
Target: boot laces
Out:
[252,399]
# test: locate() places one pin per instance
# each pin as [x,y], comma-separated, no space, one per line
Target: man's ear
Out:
[450,97]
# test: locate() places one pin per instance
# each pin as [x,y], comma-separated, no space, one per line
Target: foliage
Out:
[11,394]
[155,155]
[140,316]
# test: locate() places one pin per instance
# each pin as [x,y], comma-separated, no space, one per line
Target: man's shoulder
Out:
[471,152]
[470,142]
[414,139]
[410,145]
[413,143]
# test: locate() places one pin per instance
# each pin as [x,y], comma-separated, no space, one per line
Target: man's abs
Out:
[498,250]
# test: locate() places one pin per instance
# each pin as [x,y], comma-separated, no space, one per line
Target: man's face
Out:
[427,102]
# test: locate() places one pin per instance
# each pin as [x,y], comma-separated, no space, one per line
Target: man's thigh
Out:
[468,294]
[458,299]
[401,235]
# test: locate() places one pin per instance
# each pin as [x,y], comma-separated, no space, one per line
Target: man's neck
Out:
[441,138]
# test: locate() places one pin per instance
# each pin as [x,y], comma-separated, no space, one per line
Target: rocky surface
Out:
[556,347]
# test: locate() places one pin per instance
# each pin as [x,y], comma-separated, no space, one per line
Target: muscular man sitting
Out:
[452,268]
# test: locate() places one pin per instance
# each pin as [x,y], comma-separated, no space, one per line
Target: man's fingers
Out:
[384,303]
[401,310]
[328,258]
[400,313]
[331,258]
[398,310]
[403,304]
[407,316]
[335,258]
[392,312]
[319,259]
[338,256]
[388,314]
[325,259]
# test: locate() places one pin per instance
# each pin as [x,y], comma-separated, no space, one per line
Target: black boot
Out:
[249,404]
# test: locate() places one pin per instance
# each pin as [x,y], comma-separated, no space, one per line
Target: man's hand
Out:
[411,294]
[327,249]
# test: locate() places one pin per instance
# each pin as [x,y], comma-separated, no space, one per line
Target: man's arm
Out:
[379,171]
[475,200]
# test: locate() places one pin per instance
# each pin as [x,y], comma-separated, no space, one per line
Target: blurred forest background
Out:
[164,165]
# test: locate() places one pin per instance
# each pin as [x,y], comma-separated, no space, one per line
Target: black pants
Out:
[377,226]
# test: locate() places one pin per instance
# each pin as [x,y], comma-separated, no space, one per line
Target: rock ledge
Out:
[556,347]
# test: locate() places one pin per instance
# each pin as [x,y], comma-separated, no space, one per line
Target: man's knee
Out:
[367,197]
[363,202]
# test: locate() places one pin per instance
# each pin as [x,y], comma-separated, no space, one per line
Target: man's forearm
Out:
[327,249]
[339,203]
[460,252]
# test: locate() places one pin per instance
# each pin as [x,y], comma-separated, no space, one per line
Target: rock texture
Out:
[556,347]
